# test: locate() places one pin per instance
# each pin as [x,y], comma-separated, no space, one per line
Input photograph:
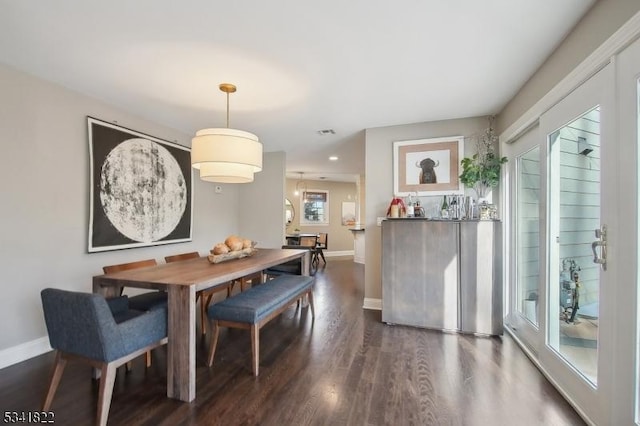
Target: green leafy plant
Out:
[482,171]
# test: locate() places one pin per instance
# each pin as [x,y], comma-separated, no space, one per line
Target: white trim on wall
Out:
[338,253]
[24,351]
[374,304]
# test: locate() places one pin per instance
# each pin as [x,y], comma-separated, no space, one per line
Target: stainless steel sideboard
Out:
[443,274]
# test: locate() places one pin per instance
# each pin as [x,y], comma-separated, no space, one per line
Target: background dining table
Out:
[182,280]
[294,239]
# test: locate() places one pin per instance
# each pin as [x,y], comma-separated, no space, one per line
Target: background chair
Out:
[205,296]
[292,240]
[105,335]
[322,244]
[182,256]
[145,301]
[311,242]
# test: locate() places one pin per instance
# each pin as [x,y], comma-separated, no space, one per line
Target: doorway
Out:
[562,188]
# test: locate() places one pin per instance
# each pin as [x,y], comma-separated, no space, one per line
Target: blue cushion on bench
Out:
[253,305]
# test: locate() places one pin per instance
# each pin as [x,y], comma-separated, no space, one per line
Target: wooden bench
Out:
[255,307]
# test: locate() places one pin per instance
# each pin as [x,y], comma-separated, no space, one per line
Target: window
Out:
[528,233]
[314,206]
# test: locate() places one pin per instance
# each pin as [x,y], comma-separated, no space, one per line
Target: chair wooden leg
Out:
[313,264]
[310,297]
[204,305]
[56,374]
[207,303]
[147,358]
[105,392]
[255,347]
[214,342]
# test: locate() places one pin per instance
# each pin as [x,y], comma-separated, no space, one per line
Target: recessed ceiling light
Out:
[333,158]
[325,132]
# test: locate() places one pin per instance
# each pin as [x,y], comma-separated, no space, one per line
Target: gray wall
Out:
[44,170]
[379,181]
[600,22]
[261,210]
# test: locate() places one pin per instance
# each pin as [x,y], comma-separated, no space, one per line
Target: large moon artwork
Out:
[141,191]
[143,203]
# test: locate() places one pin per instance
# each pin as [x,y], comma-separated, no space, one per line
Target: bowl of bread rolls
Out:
[233,247]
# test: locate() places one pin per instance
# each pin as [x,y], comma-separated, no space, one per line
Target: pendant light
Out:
[226,155]
[300,186]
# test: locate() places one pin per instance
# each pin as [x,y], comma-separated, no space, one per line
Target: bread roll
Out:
[234,243]
[220,248]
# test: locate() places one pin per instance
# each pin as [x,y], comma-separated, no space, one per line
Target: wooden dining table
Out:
[182,280]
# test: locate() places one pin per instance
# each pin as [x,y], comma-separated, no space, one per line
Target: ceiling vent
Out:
[326,132]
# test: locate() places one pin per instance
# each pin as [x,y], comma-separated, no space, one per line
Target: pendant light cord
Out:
[227,110]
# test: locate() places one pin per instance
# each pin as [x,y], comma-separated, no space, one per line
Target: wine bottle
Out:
[444,210]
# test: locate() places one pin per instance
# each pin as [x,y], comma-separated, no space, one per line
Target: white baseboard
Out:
[374,304]
[338,253]
[24,351]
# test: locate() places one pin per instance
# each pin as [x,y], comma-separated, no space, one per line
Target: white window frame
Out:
[324,220]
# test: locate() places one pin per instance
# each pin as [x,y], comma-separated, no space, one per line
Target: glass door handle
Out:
[601,259]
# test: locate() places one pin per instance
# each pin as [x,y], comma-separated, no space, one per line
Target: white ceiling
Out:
[300,67]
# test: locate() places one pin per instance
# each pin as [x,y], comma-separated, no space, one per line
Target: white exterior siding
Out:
[580,199]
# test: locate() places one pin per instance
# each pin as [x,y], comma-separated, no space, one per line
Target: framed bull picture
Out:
[428,166]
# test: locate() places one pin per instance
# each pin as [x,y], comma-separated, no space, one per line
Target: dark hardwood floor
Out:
[344,368]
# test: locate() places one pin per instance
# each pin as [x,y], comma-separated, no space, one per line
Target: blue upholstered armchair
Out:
[103,333]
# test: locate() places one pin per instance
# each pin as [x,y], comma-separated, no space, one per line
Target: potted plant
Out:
[482,171]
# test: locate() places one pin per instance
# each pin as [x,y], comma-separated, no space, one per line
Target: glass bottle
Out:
[418,211]
[409,206]
[453,208]
[444,210]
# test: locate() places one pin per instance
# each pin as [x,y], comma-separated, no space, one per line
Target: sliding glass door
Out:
[523,170]
[581,195]
[562,194]
[576,236]
[573,196]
